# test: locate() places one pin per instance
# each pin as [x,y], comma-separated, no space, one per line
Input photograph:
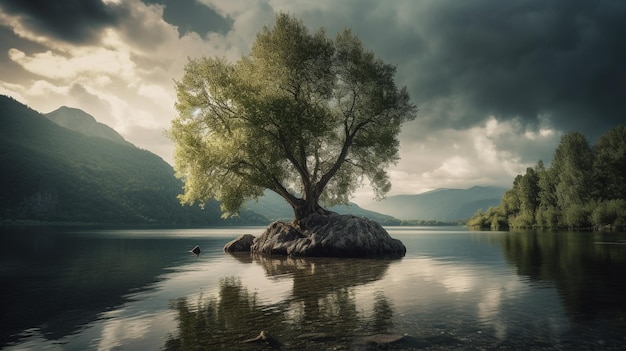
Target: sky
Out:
[497,83]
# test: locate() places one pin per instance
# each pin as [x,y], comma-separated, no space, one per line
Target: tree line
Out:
[584,188]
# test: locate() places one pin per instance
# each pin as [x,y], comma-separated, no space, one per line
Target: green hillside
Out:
[82,122]
[440,204]
[53,174]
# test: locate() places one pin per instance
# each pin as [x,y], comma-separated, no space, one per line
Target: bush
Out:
[610,213]
[522,220]
[548,217]
[578,216]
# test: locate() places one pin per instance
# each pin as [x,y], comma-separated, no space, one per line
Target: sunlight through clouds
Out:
[43,87]
[77,63]
[15,23]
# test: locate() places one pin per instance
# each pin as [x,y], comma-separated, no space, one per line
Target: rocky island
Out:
[317,235]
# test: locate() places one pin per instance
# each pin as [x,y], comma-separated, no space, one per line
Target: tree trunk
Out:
[306,207]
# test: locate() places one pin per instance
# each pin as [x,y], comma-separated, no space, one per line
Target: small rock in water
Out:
[266,338]
[196,250]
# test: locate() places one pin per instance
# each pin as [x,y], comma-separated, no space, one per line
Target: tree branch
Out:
[306,179]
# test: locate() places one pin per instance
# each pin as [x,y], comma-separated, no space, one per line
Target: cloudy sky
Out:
[497,83]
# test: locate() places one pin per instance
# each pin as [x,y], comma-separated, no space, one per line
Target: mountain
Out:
[84,123]
[274,207]
[440,204]
[54,174]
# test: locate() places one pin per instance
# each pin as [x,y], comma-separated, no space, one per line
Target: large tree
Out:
[609,164]
[573,164]
[302,115]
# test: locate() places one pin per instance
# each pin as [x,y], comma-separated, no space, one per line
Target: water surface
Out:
[79,289]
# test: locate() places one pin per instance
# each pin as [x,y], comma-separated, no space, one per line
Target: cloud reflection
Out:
[441,286]
[118,332]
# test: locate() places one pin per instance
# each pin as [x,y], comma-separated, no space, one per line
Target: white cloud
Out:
[154,91]
[80,62]
[455,167]
[45,88]
[14,90]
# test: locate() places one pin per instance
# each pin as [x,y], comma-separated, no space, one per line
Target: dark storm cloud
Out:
[75,21]
[531,60]
[10,70]
[525,59]
[191,16]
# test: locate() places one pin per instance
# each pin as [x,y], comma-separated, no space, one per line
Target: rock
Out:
[263,336]
[382,339]
[196,250]
[266,338]
[330,235]
[242,243]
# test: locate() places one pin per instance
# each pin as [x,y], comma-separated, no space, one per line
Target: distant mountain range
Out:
[440,204]
[274,207]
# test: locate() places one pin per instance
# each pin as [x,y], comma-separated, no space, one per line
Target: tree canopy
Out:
[584,187]
[305,116]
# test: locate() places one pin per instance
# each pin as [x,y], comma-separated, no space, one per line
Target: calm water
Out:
[142,290]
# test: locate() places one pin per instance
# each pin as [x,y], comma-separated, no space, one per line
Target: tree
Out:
[302,115]
[525,193]
[573,161]
[547,214]
[609,164]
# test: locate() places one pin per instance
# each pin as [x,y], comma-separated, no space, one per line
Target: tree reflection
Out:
[323,307]
[383,311]
[219,323]
[588,269]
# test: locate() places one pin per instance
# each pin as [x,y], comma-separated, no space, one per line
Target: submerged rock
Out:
[242,243]
[329,235]
[383,339]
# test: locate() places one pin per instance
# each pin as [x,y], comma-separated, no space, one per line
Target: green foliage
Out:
[583,188]
[301,114]
[494,218]
[478,220]
[577,216]
[572,163]
[609,165]
[548,217]
[609,213]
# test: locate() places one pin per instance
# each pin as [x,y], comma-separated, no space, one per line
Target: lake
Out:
[103,289]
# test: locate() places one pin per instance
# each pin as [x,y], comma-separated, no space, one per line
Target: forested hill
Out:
[439,204]
[50,173]
[84,123]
